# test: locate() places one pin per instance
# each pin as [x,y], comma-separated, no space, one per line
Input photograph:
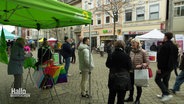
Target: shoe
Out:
[172,91]
[69,75]
[159,96]
[86,95]
[130,99]
[166,97]
[137,102]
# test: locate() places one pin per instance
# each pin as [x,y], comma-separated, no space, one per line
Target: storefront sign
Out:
[107,31]
[136,32]
[92,33]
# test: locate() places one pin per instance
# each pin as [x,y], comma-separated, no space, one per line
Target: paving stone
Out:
[69,93]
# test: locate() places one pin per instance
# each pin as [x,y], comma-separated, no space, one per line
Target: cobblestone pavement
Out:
[69,93]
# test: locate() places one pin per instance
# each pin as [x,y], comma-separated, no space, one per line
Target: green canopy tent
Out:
[42,14]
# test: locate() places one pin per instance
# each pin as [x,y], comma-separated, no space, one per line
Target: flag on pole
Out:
[3,47]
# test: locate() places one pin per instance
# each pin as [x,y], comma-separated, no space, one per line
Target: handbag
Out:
[141,77]
[150,72]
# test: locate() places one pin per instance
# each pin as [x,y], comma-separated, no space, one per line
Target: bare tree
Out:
[113,8]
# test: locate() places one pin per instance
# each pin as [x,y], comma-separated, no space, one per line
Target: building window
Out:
[115,16]
[86,5]
[107,2]
[98,3]
[91,22]
[128,15]
[91,5]
[179,9]
[140,13]
[98,17]
[107,18]
[154,11]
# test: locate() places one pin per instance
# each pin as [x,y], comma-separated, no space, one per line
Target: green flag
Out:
[3,47]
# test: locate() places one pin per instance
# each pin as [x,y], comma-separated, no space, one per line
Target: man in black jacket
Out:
[67,53]
[166,60]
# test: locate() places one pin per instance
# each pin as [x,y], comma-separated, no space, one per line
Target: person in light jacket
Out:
[15,65]
[85,64]
[140,60]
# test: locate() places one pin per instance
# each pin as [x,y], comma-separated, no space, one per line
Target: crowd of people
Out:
[123,59]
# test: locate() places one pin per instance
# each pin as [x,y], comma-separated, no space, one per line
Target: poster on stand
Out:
[179,40]
[56,58]
[152,56]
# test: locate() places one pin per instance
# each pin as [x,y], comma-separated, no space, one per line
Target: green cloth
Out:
[3,47]
[41,14]
[29,63]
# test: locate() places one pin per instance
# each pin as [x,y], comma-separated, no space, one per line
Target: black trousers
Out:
[120,96]
[162,80]
[139,89]
[73,57]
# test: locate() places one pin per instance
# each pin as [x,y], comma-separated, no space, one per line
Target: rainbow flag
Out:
[62,76]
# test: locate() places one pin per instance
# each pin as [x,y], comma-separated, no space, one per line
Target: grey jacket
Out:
[84,62]
[15,65]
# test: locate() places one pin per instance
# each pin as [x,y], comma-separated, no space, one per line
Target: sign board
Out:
[152,56]
[56,58]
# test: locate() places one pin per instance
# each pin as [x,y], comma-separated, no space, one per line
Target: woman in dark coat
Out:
[119,64]
[15,65]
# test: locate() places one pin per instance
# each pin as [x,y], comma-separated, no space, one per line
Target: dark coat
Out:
[119,64]
[15,65]
[66,50]
[167,56]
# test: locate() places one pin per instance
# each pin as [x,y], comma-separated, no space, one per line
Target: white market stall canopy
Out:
[154,34]
[52,39]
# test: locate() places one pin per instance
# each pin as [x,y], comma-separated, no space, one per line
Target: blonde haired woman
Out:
[139,60]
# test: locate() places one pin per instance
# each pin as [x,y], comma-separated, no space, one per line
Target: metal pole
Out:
[38,39]
[90,65]
[114,26]
[19,31]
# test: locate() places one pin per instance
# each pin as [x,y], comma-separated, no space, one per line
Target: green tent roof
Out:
[41,14]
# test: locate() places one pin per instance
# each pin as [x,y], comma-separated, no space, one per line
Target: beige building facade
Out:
[135,17]
[178,20]
[142,16]
[102,27]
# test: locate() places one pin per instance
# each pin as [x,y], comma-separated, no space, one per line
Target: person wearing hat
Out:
[139,58]
[66,53]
